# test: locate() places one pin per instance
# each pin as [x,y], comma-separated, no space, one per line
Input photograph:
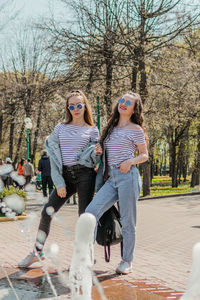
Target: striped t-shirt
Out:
[72,139]
[122,143]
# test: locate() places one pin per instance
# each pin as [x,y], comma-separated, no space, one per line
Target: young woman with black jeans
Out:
[71,172]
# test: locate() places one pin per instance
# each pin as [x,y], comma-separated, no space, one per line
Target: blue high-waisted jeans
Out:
[126,188]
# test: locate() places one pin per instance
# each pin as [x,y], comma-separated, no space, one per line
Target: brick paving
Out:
[167,229]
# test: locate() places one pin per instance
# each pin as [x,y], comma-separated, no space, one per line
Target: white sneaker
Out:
[30,259]
[124,268]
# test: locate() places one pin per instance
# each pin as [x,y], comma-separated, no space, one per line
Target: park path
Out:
[167,229]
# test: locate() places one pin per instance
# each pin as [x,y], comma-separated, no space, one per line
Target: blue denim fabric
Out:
[126,188]
[86,157]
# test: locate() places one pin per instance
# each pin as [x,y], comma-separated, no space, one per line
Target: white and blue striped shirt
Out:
[122,143]
[72,139]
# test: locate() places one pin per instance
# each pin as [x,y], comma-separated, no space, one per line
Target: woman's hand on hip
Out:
[62,192]
[98,149]
[125,166]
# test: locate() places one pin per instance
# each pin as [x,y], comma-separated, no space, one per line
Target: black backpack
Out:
[109,231]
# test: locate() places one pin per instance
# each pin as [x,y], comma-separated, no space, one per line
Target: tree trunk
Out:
[19,143]
[37,129]
[90,79]
[180,159]
[174,165]
[30,144]
[143,93]
[197,178]
[108,56]
[195,173]
[134,75]
[1,128]
[143,81]
[11,136]
[146,178]
[172,140]
[185,163]
[152,166]
[193,178]
[108,91]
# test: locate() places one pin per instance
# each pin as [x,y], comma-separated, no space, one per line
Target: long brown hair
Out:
[136,118]
[88,112]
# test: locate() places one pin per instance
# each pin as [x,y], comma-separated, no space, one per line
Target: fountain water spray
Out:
[5,169]
[26,229]
[1,185]
[18,178]
[193,287]
[15,202]
[81,275]
[11,285]
[83,258]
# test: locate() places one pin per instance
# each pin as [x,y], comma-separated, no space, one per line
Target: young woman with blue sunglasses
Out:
[69,176]
[123,135]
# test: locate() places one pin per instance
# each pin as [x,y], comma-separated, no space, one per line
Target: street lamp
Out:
[28,125]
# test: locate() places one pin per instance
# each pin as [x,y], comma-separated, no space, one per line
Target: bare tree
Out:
[26,85]
[95,43]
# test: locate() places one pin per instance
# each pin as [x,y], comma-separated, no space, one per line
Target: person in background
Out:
[1,164]
[28,171]
[45,168]
[21,167]
[38,176]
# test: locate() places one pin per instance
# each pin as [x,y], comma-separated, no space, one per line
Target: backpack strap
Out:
[121,247]
[107,253]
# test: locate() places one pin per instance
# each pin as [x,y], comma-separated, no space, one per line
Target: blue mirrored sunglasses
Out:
[79,106]
[127,102]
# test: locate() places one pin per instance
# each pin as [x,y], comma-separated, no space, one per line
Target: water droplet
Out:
[1,185]
[54,248]
[41,236]
[50,210]
[10,215]
[18,178]
[64,279]
[39,245]
[5,169]
[15,203]
[30,188]
[27,225]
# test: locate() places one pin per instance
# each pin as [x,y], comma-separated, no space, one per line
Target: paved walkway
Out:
[167,229]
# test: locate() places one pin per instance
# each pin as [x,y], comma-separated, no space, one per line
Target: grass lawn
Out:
[161,185]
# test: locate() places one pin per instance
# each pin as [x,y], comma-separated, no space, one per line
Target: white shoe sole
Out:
[122,273]
[26,266]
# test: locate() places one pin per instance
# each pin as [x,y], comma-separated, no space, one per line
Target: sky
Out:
[37,8]
[19,14]
[34,11]
[27,11]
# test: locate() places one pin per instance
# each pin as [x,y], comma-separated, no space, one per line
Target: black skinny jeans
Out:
[46,180]
[78,179]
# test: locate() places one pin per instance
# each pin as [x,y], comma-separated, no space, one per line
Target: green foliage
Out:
[161,185]
[11,191]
